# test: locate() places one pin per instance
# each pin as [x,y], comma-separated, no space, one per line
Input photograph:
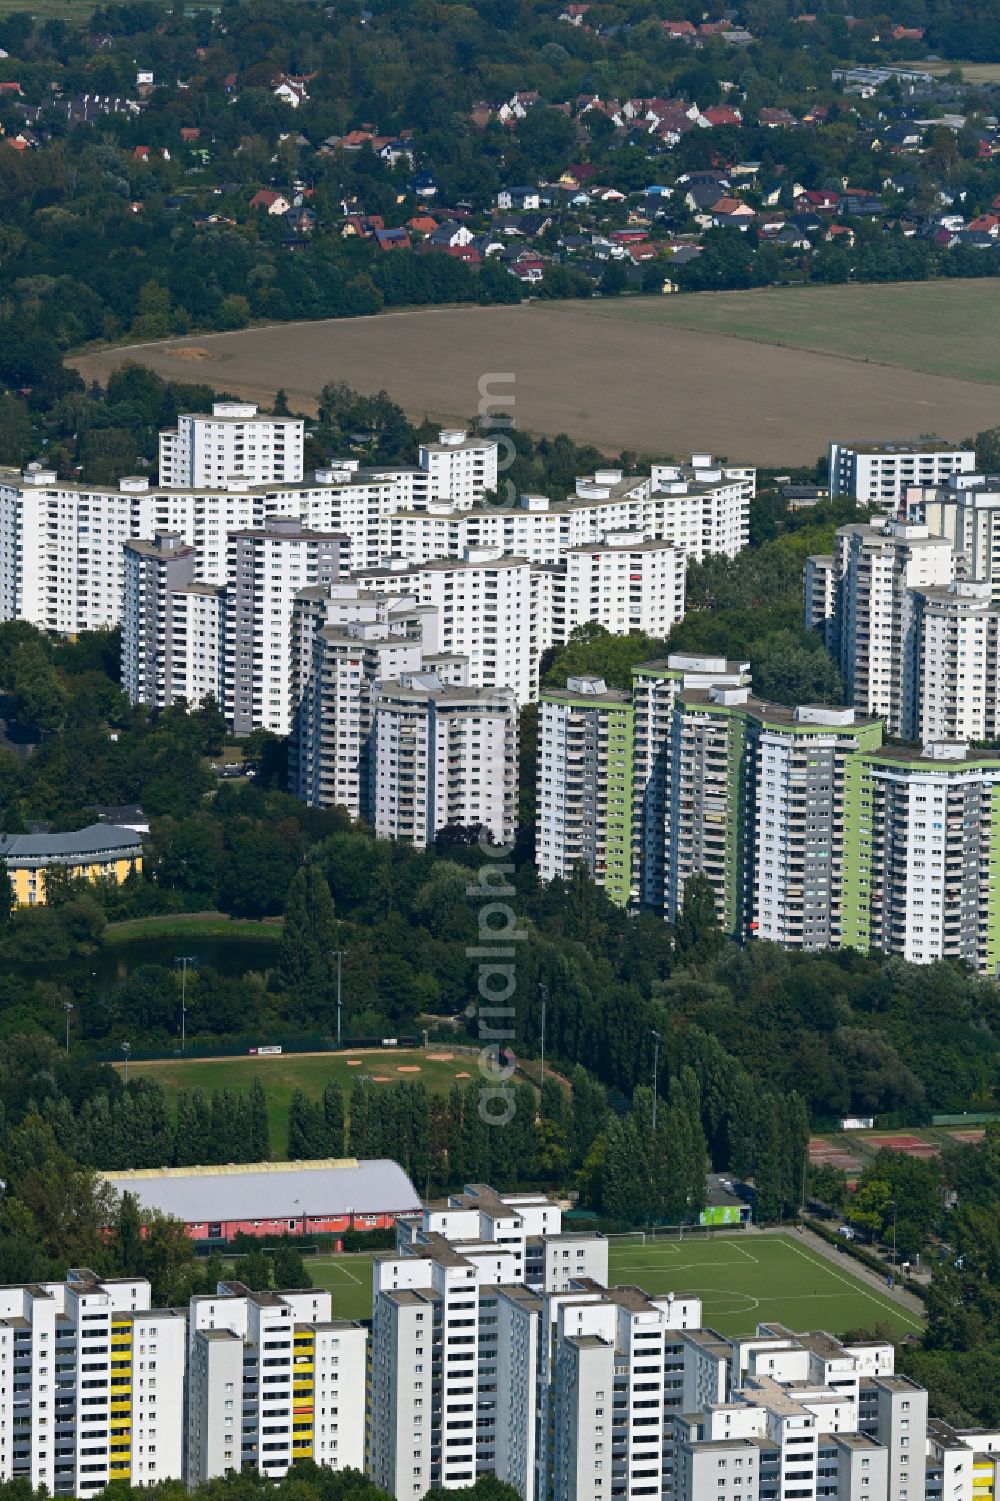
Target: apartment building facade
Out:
[173,628]
[233,440]
[935,843]
[449,1310]
[95,1379]
[655,686]
[878,567]
[490,608]
[272,1378]
[965,509]
[585,755]
[442,755]
[878,474]
[268,567]
[951,675]
[459,467]
[623,583]
[335,668]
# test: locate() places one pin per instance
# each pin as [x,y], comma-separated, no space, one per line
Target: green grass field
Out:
[742,1279]
[943,328]
[309,1071]
[349,1279]
[190,925]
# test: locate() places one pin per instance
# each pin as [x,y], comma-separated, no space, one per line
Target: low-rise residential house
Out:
[528,271]
[424,185]
[776,119]
[392,239]
[720,114]
[362,226]
[301,220]
[573,14]
[290,90]
[450,234]
[820,201]
[988,224]
[519,198]
[393,150]
[273,202]
[860,202]
[467,254]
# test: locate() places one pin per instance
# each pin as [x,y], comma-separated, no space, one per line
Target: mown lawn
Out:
[309,1071]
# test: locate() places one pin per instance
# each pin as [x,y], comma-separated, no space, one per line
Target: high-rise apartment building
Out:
[623,583]
[94,1385]
[703,509]
[655,685]
[965,508]
[767,803]
[344,641]
[878,474]
[877,568]
[585,755]
[442,755]
[499,1347]
[443,1332]
[172,627]
[490,609]
[268,567]
[272,1378]
[459,467]
[935,814]
[822,599]
[699,510]
[951,677]
[235,440]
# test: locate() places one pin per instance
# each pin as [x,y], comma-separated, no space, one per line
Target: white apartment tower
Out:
[234,440]
[623,583]
[877,567]
[459,467]
[934,815]
[489,607]
[272,1378]
[267,568]
[952,680]
[453,1312]
[966,510]
[442,755]
[172,627]
[704,508]
[95,1385]
[878,474]
[335,667]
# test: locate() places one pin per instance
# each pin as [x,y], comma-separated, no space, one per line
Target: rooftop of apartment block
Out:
[583,689]
[938,755]
[893,447]
[806,717]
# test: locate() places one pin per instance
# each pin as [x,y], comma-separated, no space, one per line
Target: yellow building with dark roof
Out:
[100,852]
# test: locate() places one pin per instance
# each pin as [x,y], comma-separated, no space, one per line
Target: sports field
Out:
[765,377]
[742,1280]
[282,1075]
